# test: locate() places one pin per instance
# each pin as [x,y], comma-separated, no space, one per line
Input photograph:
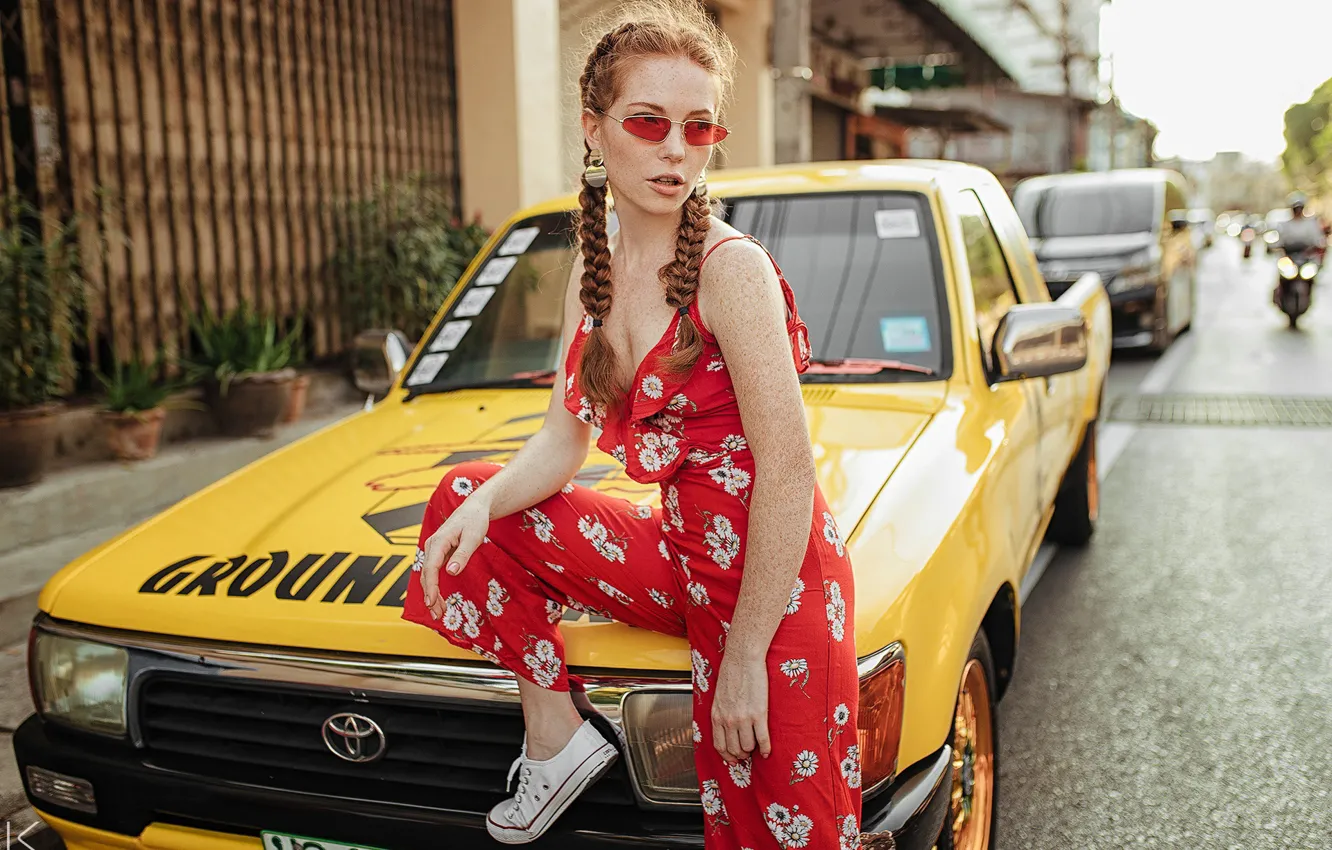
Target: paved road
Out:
[1174,684]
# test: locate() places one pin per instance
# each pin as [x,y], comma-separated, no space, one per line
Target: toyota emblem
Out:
[354,737]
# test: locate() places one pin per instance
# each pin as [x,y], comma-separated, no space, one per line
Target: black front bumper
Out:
[132,793]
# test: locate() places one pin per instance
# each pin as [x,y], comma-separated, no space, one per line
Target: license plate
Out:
[286,841]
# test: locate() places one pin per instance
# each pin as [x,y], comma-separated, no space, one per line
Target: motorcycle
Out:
[1297,271]
[1247,236]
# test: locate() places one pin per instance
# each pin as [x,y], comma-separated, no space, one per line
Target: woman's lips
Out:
[668,189]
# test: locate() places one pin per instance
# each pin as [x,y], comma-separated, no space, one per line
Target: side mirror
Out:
[378,356]
[1039,340]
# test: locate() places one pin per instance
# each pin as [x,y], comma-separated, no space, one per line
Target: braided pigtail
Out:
[681,278]
[597,364]
[596,368]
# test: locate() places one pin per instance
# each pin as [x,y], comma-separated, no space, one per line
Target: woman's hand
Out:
[453,543]
[740,709]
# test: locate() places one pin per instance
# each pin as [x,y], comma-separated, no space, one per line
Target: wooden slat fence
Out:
[208,144]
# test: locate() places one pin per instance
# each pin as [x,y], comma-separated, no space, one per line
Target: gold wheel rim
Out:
[1093,482]
[973,761]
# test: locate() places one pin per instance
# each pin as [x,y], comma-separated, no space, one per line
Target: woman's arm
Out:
[742,305]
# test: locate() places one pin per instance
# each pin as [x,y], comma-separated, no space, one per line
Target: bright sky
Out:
[1218,75]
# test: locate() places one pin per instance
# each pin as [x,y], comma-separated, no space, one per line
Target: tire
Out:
[982,769]
[1078,503]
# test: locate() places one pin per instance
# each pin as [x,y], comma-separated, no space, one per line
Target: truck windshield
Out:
[1091,210]
[865,270]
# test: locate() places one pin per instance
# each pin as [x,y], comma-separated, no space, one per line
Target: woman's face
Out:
[656,176]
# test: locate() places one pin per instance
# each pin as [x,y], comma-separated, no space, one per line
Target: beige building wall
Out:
[518,64]
[508,104]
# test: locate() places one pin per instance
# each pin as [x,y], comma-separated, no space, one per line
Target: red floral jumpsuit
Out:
[677,570]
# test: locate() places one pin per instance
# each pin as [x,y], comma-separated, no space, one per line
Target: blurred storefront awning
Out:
[913,35]
[947,121]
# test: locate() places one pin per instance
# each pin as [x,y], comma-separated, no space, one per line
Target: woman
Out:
[689,368]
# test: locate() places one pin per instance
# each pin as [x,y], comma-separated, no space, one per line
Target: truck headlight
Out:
[1286,266]
[879,719]
[1141,270]
[658,726]
[80,682]
[1130,279]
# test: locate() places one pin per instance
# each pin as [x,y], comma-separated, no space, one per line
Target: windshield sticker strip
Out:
[519,240]
[450,334]
[905,334]
[897,224]
[496,271]
[427,369]
[474,301]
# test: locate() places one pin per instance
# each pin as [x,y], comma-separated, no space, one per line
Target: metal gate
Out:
[208,144]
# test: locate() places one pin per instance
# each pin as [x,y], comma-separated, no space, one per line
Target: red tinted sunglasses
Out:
[655,128]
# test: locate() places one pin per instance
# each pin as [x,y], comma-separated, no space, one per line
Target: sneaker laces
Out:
[523,768]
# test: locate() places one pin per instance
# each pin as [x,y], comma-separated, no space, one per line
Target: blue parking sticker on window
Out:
[905,334]
[494,272]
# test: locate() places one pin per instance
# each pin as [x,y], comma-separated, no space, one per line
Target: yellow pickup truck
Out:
[234,672]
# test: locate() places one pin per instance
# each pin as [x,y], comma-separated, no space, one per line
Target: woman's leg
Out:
[579,548]
[807,792]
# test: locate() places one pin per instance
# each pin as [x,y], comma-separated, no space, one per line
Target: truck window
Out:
[991,284]
[1087,209]
[865,270]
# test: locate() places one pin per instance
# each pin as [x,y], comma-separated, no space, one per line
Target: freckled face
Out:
[656,176]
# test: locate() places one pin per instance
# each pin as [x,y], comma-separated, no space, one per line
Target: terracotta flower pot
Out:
[252,405]
[134,436]
[299,393]
[27,444]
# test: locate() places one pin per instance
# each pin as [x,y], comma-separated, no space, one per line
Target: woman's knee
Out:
[459,482]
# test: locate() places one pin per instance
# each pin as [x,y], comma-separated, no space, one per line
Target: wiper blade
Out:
[863,366]
[541,378]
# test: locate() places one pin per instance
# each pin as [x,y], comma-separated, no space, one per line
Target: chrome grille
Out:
[455,756]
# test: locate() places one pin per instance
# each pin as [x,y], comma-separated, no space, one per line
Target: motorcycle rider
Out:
[1303,231]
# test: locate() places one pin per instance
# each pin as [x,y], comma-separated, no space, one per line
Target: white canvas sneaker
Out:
[547,788]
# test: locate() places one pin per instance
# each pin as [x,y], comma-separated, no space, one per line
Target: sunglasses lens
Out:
[703,132]
[650,127]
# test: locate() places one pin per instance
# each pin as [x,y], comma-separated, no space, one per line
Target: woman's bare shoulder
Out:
[737,257]
[737,279]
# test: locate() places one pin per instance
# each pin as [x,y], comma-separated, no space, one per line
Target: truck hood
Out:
[311,546]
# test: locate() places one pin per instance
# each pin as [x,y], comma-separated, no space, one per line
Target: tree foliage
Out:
[1308,155]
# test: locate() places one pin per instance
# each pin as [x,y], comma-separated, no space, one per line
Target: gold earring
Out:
[594,175]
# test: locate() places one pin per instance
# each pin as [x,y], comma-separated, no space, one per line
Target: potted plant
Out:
[135,406]
[244,366]
[410,253]
[300,386]
[40,291]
